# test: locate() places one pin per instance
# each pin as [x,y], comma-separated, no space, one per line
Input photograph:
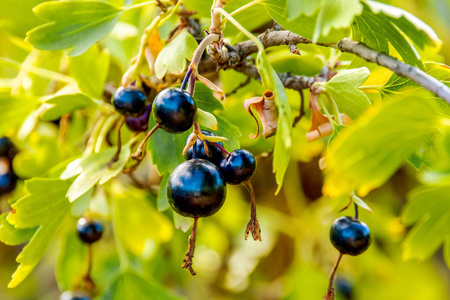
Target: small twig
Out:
[140,151]
[119,145]
[187,261]
[243,84]
[253,224]
[330,291]
[302,109]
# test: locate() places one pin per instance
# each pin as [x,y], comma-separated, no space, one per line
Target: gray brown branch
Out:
[235,57]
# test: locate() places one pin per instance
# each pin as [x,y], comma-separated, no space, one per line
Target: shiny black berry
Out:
[139,123]
[350,236]
[196,188]
[174,110]
[215,154]
[129,101]
[6,147]
[80,298]
[8,179]
[238,166]
[89,231]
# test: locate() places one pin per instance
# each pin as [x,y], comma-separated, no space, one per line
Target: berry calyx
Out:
[350,236]
[129,101]
[196,189]
[215,155]
[174,110]
[139,123]
[238,166]
[89,231]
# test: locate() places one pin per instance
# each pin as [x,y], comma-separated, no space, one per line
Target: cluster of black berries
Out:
[89,232]
[197,187]
[8,178]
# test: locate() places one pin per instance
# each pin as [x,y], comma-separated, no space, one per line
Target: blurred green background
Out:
[295,258]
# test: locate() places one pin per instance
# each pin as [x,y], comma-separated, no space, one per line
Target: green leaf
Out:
[380,25]
[92,169]
[90,71]
[361,203]
[134,213]
[72,24]
[283,143]
[228,130]
[131,285]
[162,202]
[18,19]
[72,261]
[45,206]
[330,13]
[304,25]
[429,209]
[11,236]
[343,87]
[204,98]
[206,119]
[64,104]
[14,110]
[365,155]
[172,58]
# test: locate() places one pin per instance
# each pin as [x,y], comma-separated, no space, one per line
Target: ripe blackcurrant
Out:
[215,154]
[80,298]
[174,110]
[8,178]
[139,123]
[196,189]
[238,166]
[350,236]
[89,231]
[6,147]
[129,101]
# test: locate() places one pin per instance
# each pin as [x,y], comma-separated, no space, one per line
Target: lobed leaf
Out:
[35,210]
[11,236]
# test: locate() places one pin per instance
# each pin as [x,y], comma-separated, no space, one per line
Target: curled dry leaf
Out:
[320,125]
[218,93]
[267,110]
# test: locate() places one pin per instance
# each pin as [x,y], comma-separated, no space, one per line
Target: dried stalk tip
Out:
[187,263]
[329,295]
[253,227]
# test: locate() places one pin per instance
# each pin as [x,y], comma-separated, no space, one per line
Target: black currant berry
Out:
[8,179]
[6,147]
[89,231]
[174,110]
[238,166]
[139,123]
[80,298]
[196,189]
[215,154]
[344,287]
[350,236]
[129,101]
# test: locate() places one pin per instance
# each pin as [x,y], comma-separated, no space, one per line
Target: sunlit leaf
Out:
[64,104]
[9,235]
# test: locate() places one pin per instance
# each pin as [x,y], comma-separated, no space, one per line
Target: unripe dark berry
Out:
[238,166]
[174,110]
[196,189]
[89,231]
[6,147]
[8,179]
[129,101]
[350,236]
[215,154]
[139,123]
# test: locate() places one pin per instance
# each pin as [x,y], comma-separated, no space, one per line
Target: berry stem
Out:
[140,151]
[119,145]
[253,224]
[191,87]
[186,79]
[356,211]
[89,284]
[330,291]
[187,261]
[221,148]
[200,49]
